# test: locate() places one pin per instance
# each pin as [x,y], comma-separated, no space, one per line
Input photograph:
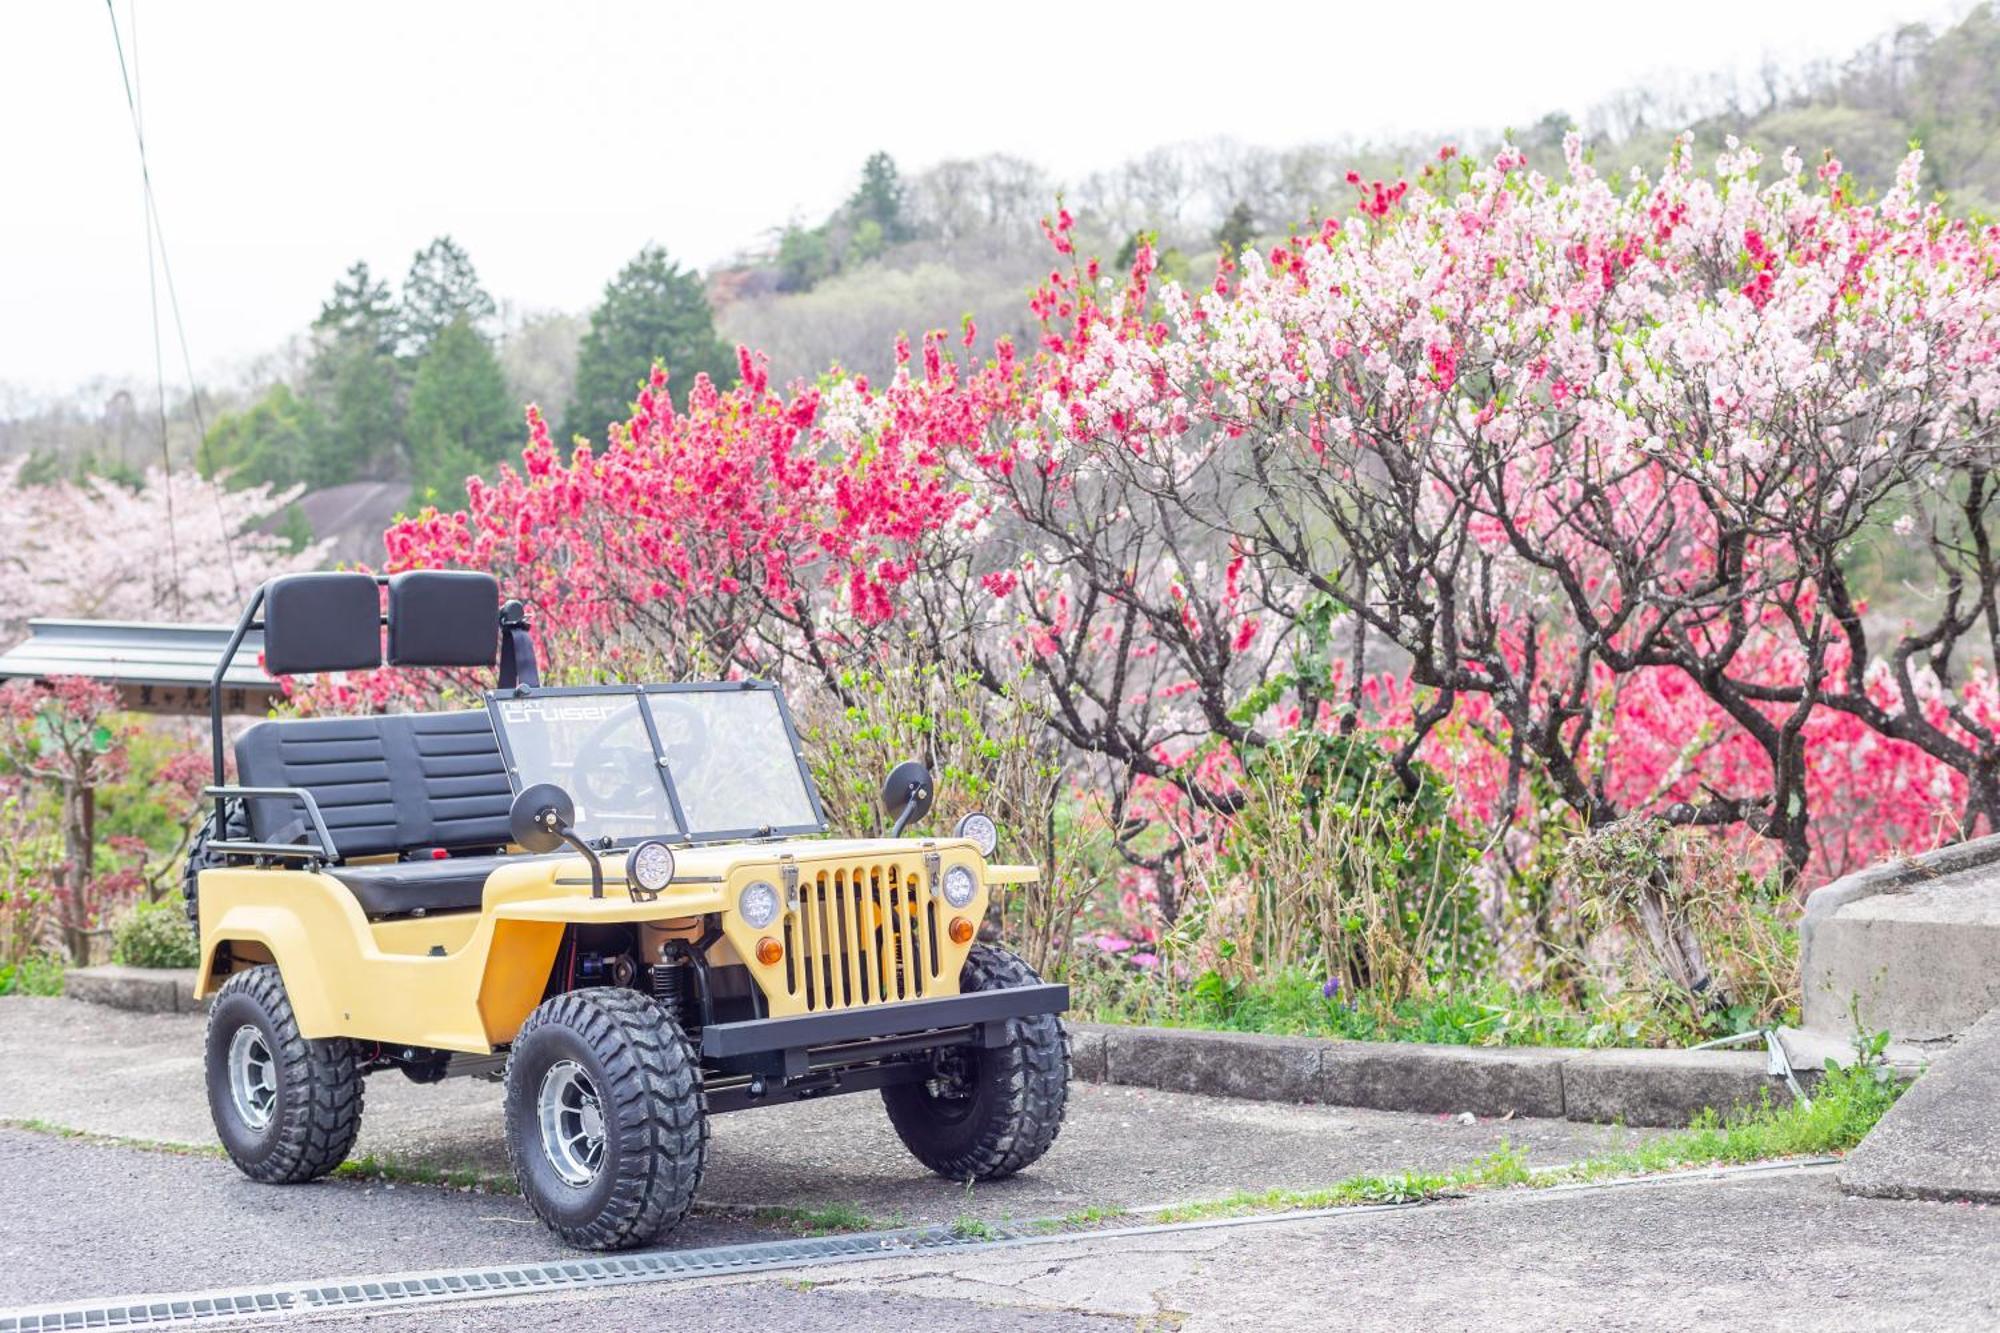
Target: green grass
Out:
[364,1168]
[971,1228]
[1845,1107]
[831,1220]
[370,1167]
[49,1127]
[1290,1002]
[1083,1219]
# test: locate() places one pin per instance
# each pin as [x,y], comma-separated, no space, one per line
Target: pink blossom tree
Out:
[1559,450]
[176,549]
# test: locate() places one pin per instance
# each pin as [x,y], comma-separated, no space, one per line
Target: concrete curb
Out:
[1635,1087]
[145,990]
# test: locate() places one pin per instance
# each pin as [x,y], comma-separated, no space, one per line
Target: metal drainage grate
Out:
[364,1293]
[190,1310]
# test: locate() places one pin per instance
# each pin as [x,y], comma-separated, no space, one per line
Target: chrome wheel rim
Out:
[253,1076]
[572,1121]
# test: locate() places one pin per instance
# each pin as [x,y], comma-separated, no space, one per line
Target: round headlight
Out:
[649,867]
[959,886]
[981,829]
[758,904]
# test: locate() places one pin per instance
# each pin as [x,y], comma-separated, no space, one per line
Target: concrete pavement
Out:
[1940,1140]
[1774,1251]
[107,1072]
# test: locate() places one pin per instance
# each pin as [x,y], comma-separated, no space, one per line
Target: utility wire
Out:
[153,305]
[156,237]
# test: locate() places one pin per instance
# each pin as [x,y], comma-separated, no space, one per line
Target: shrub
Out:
[1331,865]
[156,935]
[1678,915]
[30,858]
[39,975]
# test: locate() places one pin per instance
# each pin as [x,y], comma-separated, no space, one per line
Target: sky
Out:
[554,140]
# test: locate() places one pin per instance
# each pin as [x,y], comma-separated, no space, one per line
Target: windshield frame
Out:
[638,693]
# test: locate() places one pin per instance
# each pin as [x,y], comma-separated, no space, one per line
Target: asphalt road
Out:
[1769,1251]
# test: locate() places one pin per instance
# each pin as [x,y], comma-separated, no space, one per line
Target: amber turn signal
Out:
[769,951]
[961,930]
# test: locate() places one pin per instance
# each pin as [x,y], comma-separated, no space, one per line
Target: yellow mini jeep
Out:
[612,898]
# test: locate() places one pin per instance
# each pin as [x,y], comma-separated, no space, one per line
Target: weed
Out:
[826,1221]
[371,1167]
[38,974]
[971,1228]
[1846,1106]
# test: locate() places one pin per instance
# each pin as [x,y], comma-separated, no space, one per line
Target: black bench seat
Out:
[408,785]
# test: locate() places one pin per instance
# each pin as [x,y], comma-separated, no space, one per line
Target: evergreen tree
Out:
[441,289]
[1238,231]
[275,442]
[355,381]
[361,389]
[461,418]
[802,258]
[879,199]
[359,311]
[654,310]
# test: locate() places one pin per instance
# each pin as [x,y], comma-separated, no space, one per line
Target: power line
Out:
[156,241]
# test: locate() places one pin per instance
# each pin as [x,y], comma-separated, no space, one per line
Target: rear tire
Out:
[607,1125]
[285,1107]
[988,1113]
[200,858]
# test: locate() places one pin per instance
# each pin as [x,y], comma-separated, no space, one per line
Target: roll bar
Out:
[312,638]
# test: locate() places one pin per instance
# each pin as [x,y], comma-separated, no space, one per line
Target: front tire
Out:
[607,1127]
[988,1113]
[285,1107]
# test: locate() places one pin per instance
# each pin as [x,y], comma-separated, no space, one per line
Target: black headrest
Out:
[322,622]
[443,618]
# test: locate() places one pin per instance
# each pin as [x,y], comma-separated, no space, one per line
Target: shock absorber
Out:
[670,988]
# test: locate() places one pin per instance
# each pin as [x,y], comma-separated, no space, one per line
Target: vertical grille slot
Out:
[865,950]
[826,944]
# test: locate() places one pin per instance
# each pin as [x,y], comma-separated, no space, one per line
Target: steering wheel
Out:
[617,776]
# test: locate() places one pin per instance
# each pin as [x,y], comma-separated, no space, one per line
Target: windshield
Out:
[700,761]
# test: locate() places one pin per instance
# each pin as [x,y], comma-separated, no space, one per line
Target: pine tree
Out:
[362,393]
[1238,231]
[654,310]
[461,418]
[879,199]
[441,289]
[360,310]
[355,381]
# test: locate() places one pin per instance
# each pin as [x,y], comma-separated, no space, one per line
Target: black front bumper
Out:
[790,1047]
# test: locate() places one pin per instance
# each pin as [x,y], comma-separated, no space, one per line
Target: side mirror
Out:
[907,795]
[540,816]
[542,819]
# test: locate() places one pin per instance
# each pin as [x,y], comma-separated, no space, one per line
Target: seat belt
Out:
[517,649]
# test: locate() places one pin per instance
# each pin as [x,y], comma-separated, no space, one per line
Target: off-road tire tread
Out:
[655,1090]
[316,1131]
[1031,1073]
[199,858]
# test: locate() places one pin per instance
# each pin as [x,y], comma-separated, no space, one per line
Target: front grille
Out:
[863,934]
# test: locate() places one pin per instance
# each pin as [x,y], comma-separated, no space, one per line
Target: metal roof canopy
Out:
[158,668]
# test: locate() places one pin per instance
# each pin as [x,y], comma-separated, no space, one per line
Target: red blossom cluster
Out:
[809,507]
